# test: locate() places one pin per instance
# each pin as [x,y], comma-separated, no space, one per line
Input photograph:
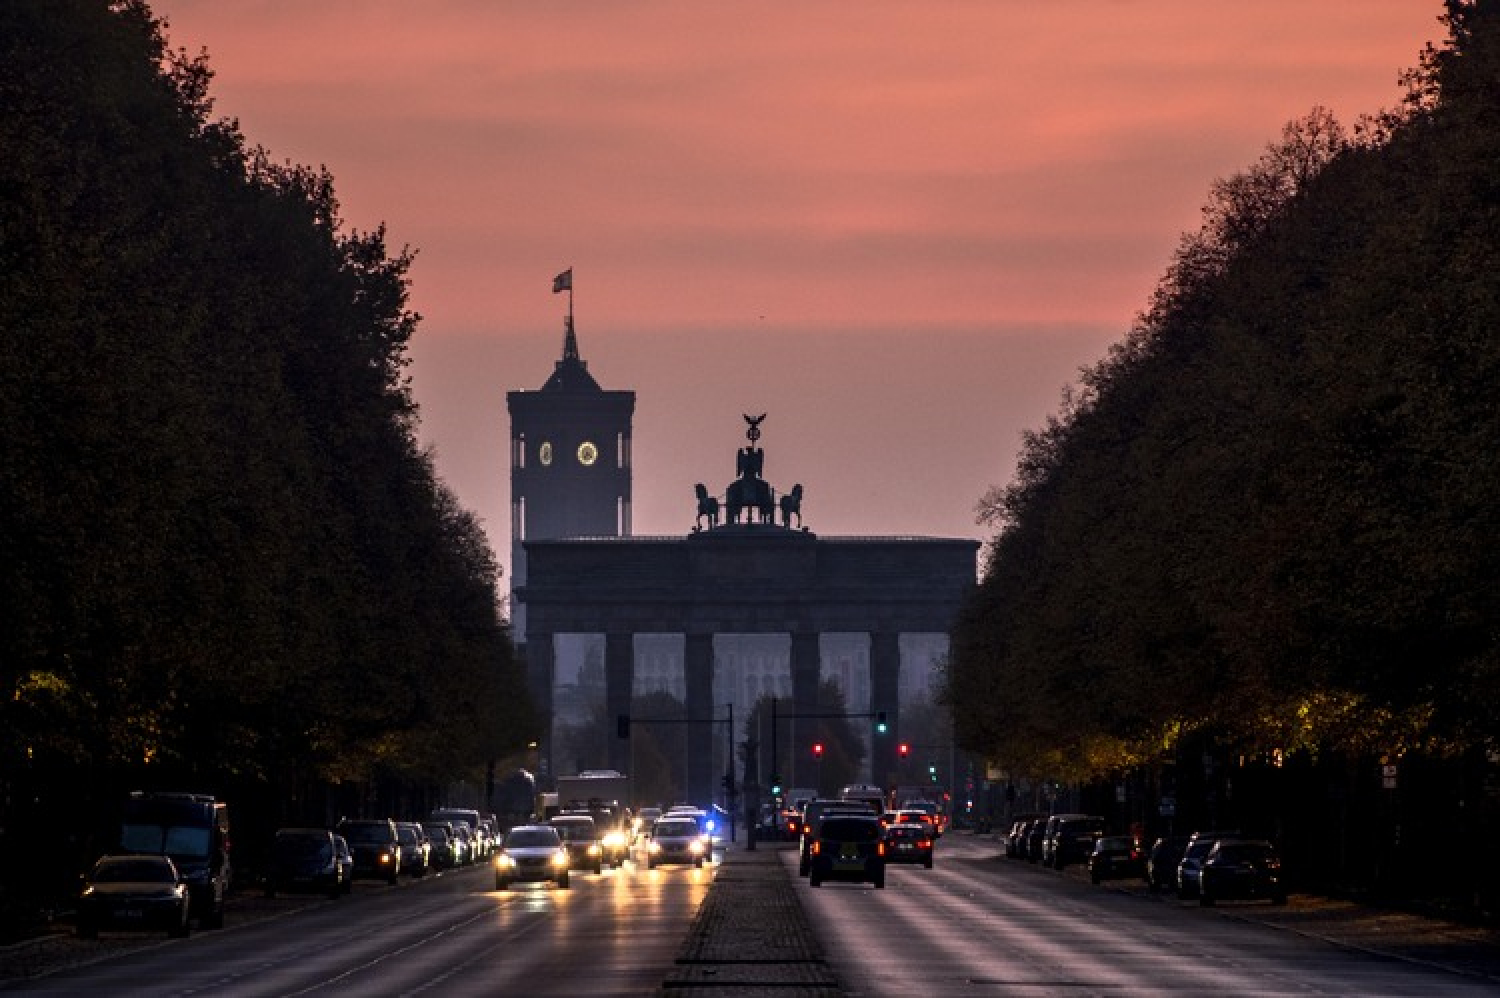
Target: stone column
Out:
[540,658]
[619,681]
[885,686]
[699,673]
[807,660]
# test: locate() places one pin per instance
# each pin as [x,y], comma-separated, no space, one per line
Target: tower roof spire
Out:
[571,374]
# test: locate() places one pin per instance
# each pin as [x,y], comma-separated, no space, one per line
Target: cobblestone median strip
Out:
[751,936]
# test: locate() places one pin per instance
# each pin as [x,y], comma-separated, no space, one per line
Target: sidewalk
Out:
[750,936]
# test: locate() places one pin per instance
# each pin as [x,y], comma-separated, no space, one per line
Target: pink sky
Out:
[898,227]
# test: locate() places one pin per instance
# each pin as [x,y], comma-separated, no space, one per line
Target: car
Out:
[909,842]
[440,841]
[467,817]
[929,808]
[1247,869]
[345,859]
[416,850]
[305,859]
[532,853]
[580,837]
[1015,847]
[847,847]
[375,846]
[1190,869]
[133,892]
[1116,857]
[813,814]
[1073,839]
[1036,833]
[676,838]
[1162,861]
[465,849]
[644,818]
[917,817]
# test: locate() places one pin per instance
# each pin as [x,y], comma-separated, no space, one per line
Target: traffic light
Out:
[932,772]
[775,786]
[818,750]
[904,750]
[880,725]
[622,725]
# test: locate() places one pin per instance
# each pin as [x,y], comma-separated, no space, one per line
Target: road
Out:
[976,924]
[614,933]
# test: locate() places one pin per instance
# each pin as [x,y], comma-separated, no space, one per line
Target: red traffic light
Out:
[904,749]
[817,748]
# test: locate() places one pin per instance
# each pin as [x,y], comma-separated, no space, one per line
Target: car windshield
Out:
[173,840]
[362,833]
[1243,852]
[531,838]
[851,829]
[576,831]
[667,829]
[906,831]
[133,871]
[1116,843]
[303,846]
[437,833]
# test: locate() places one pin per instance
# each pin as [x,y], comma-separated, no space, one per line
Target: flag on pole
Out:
[563,281]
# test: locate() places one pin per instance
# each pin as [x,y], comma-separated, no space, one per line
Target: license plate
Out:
[129,914]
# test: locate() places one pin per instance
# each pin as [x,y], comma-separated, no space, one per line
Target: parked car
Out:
[1035,834]
[1116,857]
[909,842]
[580,836]
[1015,838]
[416,850]
[1190,869]
[464,846]
[847,847]
[1241,868]
[440,841]
[133,892]
[1162,861]
[376,849]
[305,859]
[675,839]
[1073,839]
[345,859]
[533,853]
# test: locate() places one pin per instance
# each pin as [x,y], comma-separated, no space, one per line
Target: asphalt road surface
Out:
[977,924]
[452,935]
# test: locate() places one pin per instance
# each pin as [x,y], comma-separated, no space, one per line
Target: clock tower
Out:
[569,462]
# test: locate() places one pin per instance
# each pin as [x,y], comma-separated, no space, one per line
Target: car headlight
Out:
[710,824]
[560,858]
[503,862]
[594,849]
[696,847]
[654,848]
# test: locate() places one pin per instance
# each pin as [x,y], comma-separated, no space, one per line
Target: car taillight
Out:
[814,850]
[924,843]
[880,848]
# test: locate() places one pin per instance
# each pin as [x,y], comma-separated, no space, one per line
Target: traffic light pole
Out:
[879,716]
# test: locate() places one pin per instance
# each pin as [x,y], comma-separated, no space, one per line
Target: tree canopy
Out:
[1271,511]
[222,550]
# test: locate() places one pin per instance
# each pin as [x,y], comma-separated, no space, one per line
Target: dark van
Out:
[193,831]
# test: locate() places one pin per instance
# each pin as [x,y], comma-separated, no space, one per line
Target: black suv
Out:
[848,847]
[812,817]
[375,846]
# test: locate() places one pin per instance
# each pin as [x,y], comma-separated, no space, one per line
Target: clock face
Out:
[587,453]
[545,453]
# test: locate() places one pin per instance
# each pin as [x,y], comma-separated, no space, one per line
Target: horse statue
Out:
[707,506]
[752,495]
[791,505]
